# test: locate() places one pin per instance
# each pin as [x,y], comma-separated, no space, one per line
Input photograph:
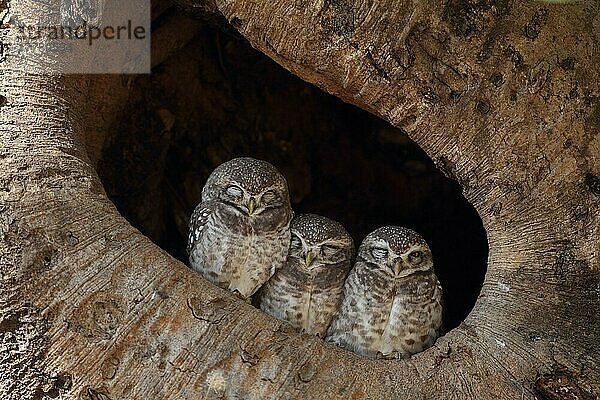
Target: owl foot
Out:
[391,356]
[394,355]
[241,296]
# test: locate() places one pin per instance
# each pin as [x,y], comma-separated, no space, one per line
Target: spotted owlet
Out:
[307,291]
[392,305]
[240,233]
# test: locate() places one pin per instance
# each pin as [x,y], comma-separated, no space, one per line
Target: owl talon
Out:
[241,296]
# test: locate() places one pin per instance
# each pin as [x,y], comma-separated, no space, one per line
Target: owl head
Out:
[319,242]
[396,251]
[248,187]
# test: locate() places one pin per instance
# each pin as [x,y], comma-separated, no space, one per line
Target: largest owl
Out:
[307,291]
[240,233]
[392,305]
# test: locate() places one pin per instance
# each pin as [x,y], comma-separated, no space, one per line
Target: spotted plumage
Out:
[307,291]
[239,234]
[392,306]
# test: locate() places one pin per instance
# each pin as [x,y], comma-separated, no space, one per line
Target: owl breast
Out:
[393,319]
[236,257]
[307,301]
[415,317]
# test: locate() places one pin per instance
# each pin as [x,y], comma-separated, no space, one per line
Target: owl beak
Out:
[310,257]
[251,206]
[398,267]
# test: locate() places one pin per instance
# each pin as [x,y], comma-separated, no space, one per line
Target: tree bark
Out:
[504,96]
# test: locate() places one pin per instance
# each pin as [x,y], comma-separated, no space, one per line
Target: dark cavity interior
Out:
[218,98]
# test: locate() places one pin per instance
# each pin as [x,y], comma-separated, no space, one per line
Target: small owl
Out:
[307,291]
[240,233]
[392,305]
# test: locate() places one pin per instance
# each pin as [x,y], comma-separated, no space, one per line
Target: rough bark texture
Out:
[339,160]
[502,95]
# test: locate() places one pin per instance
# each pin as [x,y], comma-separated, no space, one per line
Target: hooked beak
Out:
[251,206]
[310,257]
[398,267]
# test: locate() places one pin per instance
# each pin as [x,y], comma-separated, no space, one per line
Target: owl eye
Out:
[416,257]
[234,191]
[378,252]
[269,197]
[296,244]
[330,252]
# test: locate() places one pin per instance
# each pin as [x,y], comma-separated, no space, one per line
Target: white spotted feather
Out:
[307,291]
[239,234]
[385,313]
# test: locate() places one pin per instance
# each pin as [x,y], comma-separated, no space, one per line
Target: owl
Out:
[392,306]
[307,291]
[239,234]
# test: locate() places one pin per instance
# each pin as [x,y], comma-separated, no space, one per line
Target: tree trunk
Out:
[503,96]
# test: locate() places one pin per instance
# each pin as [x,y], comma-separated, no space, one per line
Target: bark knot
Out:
[100,315]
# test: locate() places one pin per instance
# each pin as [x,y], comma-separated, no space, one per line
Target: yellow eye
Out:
[416,257]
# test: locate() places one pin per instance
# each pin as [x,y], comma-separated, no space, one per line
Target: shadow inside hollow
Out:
[218,99]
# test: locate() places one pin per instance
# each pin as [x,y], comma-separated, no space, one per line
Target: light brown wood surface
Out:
[503,95]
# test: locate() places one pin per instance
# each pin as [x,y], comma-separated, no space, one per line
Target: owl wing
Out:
[340,330]
[438,298]
[198,221]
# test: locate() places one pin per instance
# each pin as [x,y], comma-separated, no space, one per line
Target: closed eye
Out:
[270,199]
[295,245]
[234,191]
[269,195]
[329,250]
[379,252]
